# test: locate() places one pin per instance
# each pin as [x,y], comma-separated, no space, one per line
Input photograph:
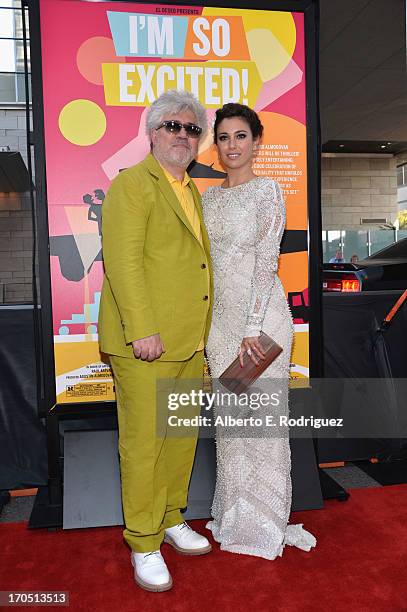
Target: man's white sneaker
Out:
[186,541]
[151,572]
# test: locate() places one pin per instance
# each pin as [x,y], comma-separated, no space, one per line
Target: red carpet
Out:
[360,565]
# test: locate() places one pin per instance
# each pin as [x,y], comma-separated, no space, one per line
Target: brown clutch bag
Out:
[238,379]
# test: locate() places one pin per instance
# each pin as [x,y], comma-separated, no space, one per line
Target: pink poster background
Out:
[73,170]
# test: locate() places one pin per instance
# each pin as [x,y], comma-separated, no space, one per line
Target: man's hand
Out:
[148,348]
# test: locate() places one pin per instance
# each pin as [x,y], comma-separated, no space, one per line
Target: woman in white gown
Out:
[245,219]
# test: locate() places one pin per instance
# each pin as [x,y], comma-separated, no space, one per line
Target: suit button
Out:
[205,297]
[203,266]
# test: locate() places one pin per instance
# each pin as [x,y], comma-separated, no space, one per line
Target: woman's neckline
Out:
[240,184]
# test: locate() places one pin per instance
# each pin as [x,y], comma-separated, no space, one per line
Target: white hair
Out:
[172,102]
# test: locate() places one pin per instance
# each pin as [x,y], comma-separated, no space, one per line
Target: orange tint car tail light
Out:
[344,285]
[350,285]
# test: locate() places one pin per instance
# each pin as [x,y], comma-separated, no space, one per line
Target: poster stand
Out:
[48,508]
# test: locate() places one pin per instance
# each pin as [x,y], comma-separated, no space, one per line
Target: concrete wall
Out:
[13,130]
[358,187]
[402,190]
[16,234]
[16,238]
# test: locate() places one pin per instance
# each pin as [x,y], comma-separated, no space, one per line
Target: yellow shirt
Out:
[184,195]
[186,199]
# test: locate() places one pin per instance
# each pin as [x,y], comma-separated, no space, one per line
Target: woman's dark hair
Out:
[232,109]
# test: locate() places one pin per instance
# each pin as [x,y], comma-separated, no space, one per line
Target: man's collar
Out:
[171,179]
[157,170]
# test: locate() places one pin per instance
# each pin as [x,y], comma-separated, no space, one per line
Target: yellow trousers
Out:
[155,469]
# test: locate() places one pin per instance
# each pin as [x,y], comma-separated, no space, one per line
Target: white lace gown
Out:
[252,501]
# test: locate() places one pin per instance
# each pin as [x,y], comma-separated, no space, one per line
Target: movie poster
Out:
[103,64]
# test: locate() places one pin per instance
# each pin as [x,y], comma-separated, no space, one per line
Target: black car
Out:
[386,269]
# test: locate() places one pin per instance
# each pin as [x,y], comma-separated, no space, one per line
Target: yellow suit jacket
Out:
[156,270]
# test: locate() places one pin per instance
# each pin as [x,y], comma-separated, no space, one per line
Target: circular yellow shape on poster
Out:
[82,122]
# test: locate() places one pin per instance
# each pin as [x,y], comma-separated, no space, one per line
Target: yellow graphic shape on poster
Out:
[69,359]
[81,376]
[213,83]
[273,62]
[274,32]
[300,357]
[82,122]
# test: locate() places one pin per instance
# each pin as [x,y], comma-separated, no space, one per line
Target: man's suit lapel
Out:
[167,191]
[197,200]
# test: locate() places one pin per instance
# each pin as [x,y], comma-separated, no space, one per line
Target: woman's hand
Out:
[252,347]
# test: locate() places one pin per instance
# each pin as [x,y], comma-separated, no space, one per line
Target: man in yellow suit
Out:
[155,315]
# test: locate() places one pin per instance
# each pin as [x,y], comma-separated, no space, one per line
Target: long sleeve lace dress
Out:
[252,501]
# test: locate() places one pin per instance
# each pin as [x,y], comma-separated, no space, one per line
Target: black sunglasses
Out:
[174,127]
